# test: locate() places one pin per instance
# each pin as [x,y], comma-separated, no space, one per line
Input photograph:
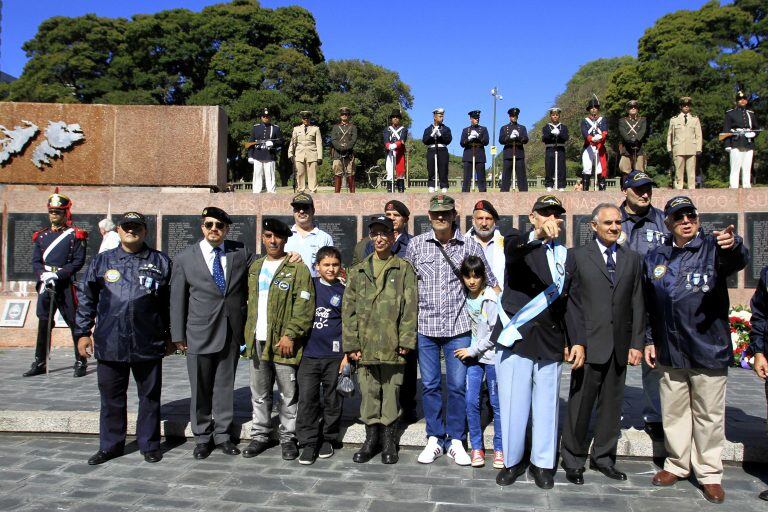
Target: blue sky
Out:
[450,53]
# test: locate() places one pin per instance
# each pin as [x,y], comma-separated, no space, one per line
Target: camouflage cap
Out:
[442,203]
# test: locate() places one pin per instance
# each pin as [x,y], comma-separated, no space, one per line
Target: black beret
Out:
[487,207]
[216,213]
[398,207]
[276,226]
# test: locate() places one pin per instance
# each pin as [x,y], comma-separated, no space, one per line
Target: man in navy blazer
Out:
[209,292]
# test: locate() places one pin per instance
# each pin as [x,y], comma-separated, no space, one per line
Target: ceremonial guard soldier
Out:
[633,130]
[306,153]
[513,136]
[474,138]
[684,143]
[343,138]
[594,158]
[554,135]
[741,128]
[57,256]
[395,137]
[265,142]
[437,136]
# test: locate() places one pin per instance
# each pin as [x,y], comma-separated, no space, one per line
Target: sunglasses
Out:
[131,226]
[210,224]
[678,216]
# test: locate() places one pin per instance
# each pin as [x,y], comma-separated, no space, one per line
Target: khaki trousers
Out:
[685,163]
[693,413]
[308,169]
[625,164]
[348,169]
[379,392]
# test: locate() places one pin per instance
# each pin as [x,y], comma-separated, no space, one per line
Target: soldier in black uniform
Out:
[741,126]
[554,135]
[58,254]
[514,136]
[437,136]
[633,130]
[265,143]
[474,138]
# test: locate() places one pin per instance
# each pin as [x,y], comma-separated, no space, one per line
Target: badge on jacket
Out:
[659,271]
[112,275]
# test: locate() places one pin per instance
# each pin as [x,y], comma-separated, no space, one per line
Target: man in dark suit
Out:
[531,343]
[606,315]
[209,290]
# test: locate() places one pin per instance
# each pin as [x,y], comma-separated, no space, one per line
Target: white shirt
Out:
[266,275]
[307,246]
[110,240]
[603,248]
[208,254]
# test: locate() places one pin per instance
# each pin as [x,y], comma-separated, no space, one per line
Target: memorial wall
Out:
[174,223]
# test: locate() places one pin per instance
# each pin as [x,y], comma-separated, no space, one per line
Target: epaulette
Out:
[80,234]
[730,110]
[37,233]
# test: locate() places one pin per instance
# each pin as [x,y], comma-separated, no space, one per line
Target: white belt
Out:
[49,268]
[437,145]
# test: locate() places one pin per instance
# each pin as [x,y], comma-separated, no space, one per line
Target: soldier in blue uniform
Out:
[554,135]
[437,136]
[58,254]
[128,289]
[740,128]
[513,136]
[474,138]
[265,143]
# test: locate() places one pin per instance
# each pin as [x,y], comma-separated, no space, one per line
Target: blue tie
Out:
[218,270]
[610,263]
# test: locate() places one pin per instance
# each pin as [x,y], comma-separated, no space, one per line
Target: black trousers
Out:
[600,385]
[466,185]
[586,179]
[112,378]
[315,414]
[520,176]
[64,301]
[549,166]
[410,381]
[442,167]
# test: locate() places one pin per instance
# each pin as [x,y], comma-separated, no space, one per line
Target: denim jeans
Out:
[475,374]
[451,423]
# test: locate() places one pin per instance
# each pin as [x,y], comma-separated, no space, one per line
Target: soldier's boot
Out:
[401,185]
[37,368]
[370,445]
[389,446]
[351,184]
[337,184]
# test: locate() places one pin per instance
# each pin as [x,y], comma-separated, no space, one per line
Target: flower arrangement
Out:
[739,319]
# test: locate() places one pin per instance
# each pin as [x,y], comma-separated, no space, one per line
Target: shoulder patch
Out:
[80,234]
[37,234]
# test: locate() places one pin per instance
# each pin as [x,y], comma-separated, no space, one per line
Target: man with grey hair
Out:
[605,315]
[109,237]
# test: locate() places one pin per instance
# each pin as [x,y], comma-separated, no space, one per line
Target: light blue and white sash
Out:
[510,332]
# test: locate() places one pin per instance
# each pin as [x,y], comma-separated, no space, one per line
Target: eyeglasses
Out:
[380,234]
[678,216]
[210,224]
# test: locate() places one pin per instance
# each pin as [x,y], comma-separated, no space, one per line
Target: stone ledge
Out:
[633,442]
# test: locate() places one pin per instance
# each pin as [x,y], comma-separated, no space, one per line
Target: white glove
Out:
[473,135]
[555,131]
[251,160]
[269,144]
[515,134]
[750,135]
[48,277]
[392,146]
[728,149]
[435,132]
[597,138]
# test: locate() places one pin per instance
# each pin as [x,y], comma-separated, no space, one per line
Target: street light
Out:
[496,97]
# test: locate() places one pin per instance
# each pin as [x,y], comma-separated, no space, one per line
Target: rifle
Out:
[736,132]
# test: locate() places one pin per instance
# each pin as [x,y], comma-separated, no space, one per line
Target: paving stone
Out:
[400,506]
[255,498]
[11,502]
[588,503]
[164,503]
[335,488]
[343,504]
[451,495]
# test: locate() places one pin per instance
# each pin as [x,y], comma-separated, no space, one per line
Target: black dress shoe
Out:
[609,471]
[37,368]
[202,451]
[543,477]
[228,448]
[80,368]
[290,450]
[153,456]
[100,457]
[507,476]
[254,448]
[575,476]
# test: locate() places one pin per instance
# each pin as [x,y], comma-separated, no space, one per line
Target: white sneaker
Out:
[431,189]
[458,453]
[432,451]
[444,190]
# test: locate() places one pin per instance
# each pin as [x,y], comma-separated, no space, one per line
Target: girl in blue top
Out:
[479,357]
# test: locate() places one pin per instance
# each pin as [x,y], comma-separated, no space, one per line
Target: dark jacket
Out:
[474,147]
[130,295]
[513,147]
[527,274]
[551,140]
[740,118]
[689,325]
[632,135]
[343,139]
[643,233]
[606,317]
[759,307]
[444,138]
[261,133]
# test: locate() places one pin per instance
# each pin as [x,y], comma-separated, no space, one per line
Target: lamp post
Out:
[496,97]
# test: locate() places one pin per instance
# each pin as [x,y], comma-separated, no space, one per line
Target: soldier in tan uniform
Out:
[684,143]
[306,153]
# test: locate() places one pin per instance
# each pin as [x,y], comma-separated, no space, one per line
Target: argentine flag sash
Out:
[510,333]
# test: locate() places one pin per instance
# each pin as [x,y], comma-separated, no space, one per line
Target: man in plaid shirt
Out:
[443,324]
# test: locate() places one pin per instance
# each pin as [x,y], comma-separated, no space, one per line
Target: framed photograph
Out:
[14,313]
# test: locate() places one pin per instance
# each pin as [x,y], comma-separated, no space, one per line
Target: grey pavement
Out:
[60,403]
[44,473]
